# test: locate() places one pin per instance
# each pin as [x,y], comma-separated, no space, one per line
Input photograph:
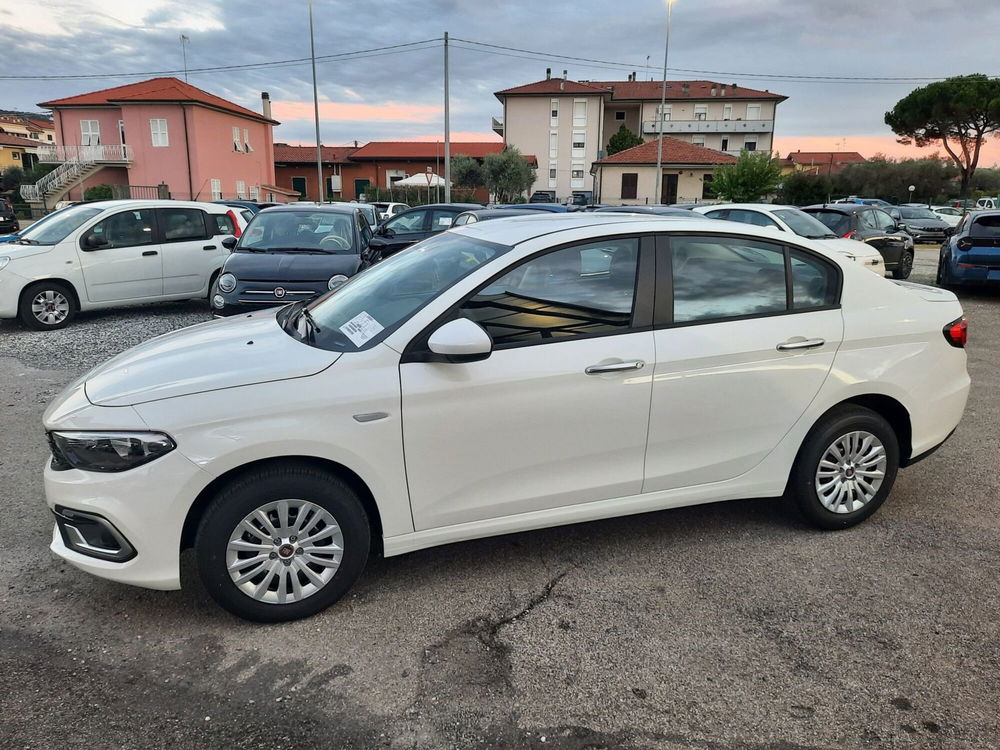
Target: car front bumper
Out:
[146,505]
[254,296]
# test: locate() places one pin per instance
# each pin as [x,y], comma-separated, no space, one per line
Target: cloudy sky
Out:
[397,94]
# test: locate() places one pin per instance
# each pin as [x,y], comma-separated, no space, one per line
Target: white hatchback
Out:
[509,375]
[791,219]
[111,254]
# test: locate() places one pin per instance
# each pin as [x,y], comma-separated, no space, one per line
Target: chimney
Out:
[722,90]
[562,84]
[564,75]
[265,103]
[548,73]
[713,89]
[355,144]
[685,89]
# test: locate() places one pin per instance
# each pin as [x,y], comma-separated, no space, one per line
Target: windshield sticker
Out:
[361,328]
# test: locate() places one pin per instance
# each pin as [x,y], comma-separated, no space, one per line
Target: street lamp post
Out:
[320,187]
[658,187]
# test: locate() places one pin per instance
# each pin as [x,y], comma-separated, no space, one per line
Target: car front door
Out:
[401,231]
[884,234]
[191,250]
[120,257]
[558,413]
[739,355]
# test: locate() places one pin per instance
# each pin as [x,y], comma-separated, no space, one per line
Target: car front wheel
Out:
[282,543]
[47,306]
[845,468]
[905,267]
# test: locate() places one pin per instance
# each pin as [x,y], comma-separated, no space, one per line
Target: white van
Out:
[112,254]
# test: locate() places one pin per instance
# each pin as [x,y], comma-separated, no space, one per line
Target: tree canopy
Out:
[466,172]
[753,175]
[959,113]
[623,139]
[507,175]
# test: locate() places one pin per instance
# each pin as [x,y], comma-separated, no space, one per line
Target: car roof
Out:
[336,208]
[461,206]
[500,212]
[654,210]
[844,208]
[153,203]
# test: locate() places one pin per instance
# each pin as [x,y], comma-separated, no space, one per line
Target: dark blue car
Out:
[971,256]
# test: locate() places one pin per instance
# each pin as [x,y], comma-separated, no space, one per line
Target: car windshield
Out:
[986,226]
[839,224]
[803,224]
[916,213]
[374,303]
[300,231]
[58,228]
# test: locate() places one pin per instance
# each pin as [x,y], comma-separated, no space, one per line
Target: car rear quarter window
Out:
[223,224]
[814,282]
[441,220]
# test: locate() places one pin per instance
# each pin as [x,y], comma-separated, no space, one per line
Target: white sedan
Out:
[791,219]
[509,375]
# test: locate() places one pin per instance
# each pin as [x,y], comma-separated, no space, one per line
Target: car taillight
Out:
[964,243]
[236,224]
[957,332]
[850,235]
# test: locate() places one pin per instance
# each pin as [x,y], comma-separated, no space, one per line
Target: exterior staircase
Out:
[76,164]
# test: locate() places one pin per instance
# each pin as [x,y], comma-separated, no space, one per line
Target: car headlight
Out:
[107,451]
[336,281]
[4,260]
[227,282]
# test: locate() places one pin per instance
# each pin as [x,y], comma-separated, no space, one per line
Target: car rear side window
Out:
[441,220]
[579,290]
[839,224]
[183,224]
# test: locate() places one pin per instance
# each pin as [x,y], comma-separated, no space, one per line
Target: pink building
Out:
[158,137]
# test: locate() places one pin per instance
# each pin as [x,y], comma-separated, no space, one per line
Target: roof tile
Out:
[675,151]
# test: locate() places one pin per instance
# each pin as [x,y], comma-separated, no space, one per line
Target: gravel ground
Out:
[718,627]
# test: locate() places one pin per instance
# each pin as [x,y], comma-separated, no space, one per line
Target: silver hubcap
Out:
[50,307]
[850,472]
[284,551]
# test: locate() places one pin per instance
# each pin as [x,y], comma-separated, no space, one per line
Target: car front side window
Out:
[125,229]
[579,290]
[410,223]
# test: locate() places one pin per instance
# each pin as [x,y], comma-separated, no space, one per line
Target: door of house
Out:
[360,186]
[299,186]
[668,190]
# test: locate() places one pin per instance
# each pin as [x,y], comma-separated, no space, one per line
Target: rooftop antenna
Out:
[185,40]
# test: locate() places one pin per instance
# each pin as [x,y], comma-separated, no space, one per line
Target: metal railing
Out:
[51,153]
[708,126]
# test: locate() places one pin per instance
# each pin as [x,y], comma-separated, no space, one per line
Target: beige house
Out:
[629,177]
[567,124]
[42,131]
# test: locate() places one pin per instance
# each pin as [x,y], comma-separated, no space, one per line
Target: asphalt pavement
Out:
[731,625]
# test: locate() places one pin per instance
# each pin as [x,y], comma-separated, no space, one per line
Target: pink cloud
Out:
[869,145]
[389,112]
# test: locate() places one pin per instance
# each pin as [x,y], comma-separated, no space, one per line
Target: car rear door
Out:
[127,263]
[192,251]
[558,413]
[740,352]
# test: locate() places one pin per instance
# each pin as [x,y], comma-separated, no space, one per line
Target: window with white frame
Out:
[121,131]
[241,190]
[753,111]
[576,175]
[246,141]
[554,113]
[579,112]
[727,111]
[664,111]
[90,133]
[552,173]
[579,144]
[255,192]
[216,189]
[698,140]
[158,131]
[553,145]
[750,143]
[237,143]
[701,111]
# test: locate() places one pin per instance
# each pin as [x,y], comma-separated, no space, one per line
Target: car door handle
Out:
[150,252]
[209,247]
[636,364]
[799,343]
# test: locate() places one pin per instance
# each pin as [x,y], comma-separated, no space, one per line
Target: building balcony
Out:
[110,153]
[669,127]
[498,126]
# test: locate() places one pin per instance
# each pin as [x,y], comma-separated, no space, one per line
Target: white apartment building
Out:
[567,124]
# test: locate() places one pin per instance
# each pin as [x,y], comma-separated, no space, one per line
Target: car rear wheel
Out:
[905,267]
[47,306]
[845,468]
[282,543]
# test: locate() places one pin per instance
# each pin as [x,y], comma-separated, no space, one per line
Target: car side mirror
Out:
[460,340]
[94,241]
[229,243]
[384,231]
[900,226]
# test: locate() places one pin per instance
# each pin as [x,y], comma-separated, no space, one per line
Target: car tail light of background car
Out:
[850,235]
[232,216]
[957,332]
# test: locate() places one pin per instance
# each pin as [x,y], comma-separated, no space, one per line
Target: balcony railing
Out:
[498,125]
[707,126]
[109,152]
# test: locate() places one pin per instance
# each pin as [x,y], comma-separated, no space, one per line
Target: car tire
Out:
[279,578]
[47,306]
[213,286]
[905,267]
[846,438]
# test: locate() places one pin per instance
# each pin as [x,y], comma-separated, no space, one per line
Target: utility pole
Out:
[320,188]
[658,188]
[185,40]
[447,128]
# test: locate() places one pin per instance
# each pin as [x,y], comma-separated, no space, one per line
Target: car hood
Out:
[290,266]
[14,250]
[220,354]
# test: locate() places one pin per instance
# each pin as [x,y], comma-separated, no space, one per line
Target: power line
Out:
[358,54]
